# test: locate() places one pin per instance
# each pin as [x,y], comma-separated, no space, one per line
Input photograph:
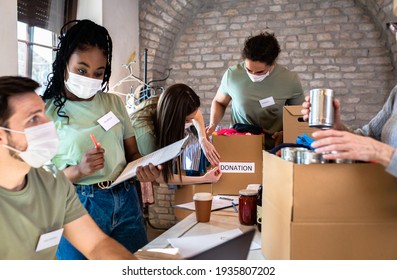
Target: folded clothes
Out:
[254,129]
[230,131]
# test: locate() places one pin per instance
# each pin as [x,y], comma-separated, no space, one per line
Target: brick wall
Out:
[342,45]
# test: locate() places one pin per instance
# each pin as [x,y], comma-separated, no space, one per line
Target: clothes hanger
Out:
[130,78]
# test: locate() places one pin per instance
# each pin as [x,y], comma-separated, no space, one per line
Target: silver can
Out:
[291,153]
[311,157]
[321,109]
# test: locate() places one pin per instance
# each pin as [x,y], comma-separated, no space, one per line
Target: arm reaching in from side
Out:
[346,145]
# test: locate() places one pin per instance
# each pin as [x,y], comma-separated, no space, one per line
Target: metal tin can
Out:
[321,109]
[290,153]
[311,157]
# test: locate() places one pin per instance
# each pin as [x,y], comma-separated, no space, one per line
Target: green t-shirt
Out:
[74,134]
[46,204]
[142,123]
[282,87]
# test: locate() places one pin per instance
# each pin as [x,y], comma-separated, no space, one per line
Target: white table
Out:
[220,221]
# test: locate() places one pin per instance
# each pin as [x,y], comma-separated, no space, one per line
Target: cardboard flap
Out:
[294,110]
[277,205]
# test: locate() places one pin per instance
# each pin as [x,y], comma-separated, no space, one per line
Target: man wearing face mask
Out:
[37,206]
[259,89]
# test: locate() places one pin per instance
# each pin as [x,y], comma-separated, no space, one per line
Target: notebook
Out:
[158,157]
[236,248]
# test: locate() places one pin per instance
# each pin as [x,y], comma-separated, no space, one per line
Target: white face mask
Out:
[188,124]
[257,78]
[83,87]
[42,141]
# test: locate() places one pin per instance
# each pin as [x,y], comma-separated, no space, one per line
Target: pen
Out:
[234,207]
[94,140]
[226,198]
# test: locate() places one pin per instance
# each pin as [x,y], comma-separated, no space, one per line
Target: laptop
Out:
[236,248]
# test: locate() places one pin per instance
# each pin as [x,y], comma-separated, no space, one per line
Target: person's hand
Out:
[148,173]
[278,138]
[210,129]
[337,119]
[209,151]
[346,145]
[306,108]
[213,175]
[92,161]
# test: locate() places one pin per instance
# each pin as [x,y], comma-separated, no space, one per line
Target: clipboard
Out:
[157,157]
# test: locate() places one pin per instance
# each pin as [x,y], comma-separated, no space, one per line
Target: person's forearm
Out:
[109,249]
[183,180]
[73,173]
[198,122]
[383,153]
[217,113]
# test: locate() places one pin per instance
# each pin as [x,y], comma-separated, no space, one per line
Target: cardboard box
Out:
[294,125]
[241,162]
[328,211]
[185,194]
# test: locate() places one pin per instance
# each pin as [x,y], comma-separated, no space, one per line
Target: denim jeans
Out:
[116,211]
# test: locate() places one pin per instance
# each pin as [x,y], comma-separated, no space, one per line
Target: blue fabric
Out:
[116,211]
[305,141]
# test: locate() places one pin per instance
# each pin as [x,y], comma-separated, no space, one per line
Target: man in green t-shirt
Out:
[259,89]
[38,206]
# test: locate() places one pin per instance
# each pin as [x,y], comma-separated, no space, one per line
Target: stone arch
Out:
[161,23]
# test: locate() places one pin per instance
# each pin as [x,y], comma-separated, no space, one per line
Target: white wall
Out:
[121,18]
[90,9]
[8,35]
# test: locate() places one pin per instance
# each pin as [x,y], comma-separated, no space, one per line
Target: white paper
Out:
[49,239]
[266,102]
[158,157]
[237,167]
[108,121]
[218,202]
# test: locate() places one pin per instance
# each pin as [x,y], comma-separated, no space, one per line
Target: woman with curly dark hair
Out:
[82,111]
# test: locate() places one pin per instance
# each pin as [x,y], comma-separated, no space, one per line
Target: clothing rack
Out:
[144,90]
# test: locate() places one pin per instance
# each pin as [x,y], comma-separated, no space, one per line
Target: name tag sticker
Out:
[108,121]
[237,167]
[50,239]
[266,102]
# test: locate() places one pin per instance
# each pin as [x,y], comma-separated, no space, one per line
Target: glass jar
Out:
[247,207]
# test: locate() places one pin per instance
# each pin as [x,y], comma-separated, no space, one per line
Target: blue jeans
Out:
[116,211]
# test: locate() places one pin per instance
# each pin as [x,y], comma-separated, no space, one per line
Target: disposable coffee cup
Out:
[203,203]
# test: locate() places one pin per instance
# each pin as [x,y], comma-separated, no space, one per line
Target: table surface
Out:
[220,221]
